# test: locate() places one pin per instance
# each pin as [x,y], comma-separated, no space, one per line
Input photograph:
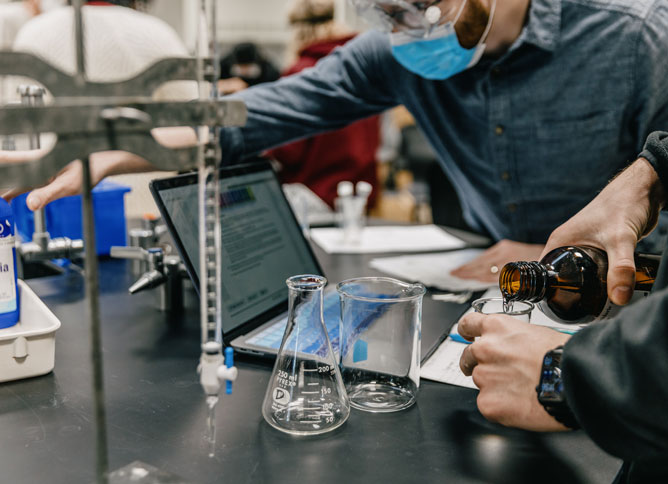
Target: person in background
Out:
[348,154]
[245,66]
[611,373]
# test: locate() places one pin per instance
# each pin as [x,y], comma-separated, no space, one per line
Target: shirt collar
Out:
[544,25]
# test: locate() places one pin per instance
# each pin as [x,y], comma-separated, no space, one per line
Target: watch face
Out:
[551,390]
[550,385]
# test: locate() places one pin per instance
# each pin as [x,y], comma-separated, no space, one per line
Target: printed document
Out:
[411,238]
[433,270]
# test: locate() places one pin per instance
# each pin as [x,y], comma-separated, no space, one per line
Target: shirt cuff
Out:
[656,152]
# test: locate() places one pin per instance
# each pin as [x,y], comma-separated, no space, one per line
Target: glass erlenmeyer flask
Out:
[305,395]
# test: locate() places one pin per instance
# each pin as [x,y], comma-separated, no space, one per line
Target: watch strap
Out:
[562,414]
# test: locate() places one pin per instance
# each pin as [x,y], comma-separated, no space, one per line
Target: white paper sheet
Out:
[443,365]
[412,238]
[433,270]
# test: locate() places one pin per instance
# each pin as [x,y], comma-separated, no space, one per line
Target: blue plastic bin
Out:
[63,216]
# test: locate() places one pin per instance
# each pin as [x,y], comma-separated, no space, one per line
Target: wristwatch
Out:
[550,390]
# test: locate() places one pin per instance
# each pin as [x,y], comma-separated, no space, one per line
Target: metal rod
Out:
[92,295]
[40,222]
[215,53]
[32,95]
[80,77]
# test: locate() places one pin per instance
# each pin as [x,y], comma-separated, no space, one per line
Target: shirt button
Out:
[512,207]
[505,176]
[499,130]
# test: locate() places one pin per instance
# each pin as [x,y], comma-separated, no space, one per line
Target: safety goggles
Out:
[416,18]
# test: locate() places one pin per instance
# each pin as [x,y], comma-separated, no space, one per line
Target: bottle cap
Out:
[363,189]
[344,189]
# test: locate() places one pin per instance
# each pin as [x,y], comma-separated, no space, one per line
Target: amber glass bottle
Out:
[569,283]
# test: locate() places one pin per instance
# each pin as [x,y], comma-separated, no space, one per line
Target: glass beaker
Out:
[520,310]
[305,394]
[381,319]
[350,213]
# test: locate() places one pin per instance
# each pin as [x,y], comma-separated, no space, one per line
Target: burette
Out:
[211,368]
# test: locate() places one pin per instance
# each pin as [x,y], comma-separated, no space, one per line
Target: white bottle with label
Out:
[9,300]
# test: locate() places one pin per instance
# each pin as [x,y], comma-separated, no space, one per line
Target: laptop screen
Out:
[262,243]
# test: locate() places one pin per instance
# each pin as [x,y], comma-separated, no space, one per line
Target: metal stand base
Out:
[139,472]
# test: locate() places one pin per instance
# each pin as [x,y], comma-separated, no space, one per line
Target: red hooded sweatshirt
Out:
[322,161]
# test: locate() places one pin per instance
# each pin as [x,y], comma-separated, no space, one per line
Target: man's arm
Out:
[349,84]
[505,360]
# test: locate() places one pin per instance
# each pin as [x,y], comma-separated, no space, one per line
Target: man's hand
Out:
[231,85]
[487,265]
[505,361]
[622,214]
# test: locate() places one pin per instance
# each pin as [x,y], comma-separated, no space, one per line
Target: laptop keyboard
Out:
[272,336]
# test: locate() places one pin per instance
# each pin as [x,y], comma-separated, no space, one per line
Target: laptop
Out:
[263,245]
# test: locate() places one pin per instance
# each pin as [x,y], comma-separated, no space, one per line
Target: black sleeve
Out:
[656,152]
[615,377]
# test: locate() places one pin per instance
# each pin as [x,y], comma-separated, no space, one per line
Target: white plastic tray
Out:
[28,348]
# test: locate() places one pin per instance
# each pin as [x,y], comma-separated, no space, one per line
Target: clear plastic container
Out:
[28,348]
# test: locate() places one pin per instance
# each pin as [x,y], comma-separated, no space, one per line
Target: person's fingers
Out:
[481,268]
[470,326]
[621,272]
[465,268]
[477,266]
[467,361]
[63,185]
[488,274]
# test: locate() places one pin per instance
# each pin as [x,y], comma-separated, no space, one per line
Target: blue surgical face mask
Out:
[440,55]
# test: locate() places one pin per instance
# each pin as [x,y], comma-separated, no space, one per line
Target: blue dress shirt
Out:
[527,138]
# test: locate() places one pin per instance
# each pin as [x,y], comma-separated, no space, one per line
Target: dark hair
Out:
[311,13]
[246,53]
